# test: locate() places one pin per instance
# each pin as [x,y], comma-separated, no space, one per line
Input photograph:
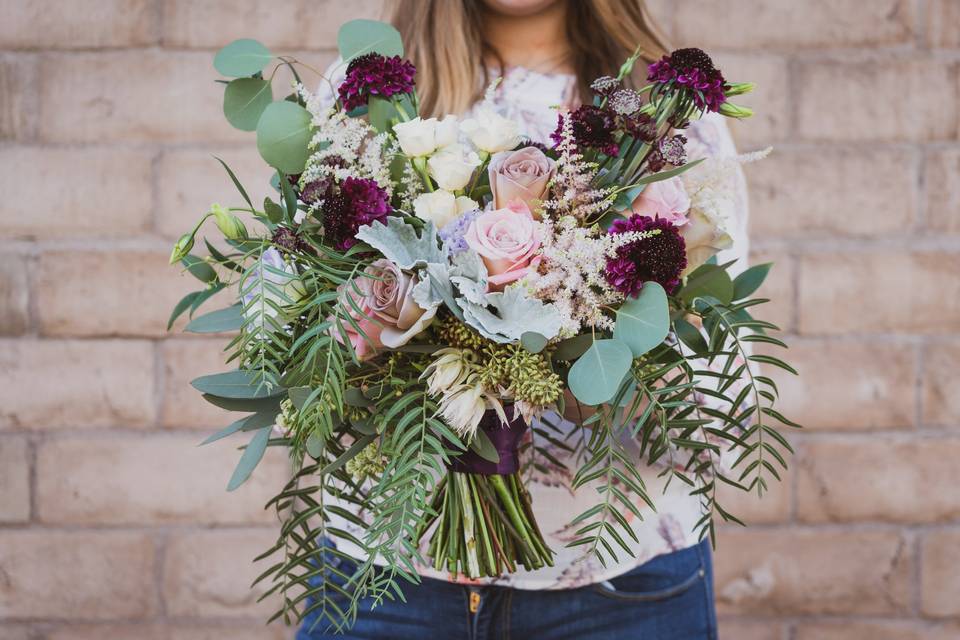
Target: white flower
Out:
[490,131]
[417,137]
[705,235]
[453,166]
[447,371]
[272,283]
[448,131]
[463,407]
[441,206]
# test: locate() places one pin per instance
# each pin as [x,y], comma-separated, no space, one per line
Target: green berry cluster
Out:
[526,376]
[454,333]
[368,463]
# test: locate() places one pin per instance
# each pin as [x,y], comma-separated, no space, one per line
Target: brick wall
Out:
[113,524]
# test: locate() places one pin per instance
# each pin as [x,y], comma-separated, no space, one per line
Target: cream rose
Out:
[453,166]
[520,175]
[666,198]
[705,234]
[417,137]
[441,206]
[490,131]
[508,241]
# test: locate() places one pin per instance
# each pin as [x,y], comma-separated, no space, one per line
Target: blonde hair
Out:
[444,39]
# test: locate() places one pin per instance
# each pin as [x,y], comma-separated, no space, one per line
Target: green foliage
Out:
[243,57]
[219,321]
[359,37]
[283,136]
[597,374]
[643,322]
[244,101]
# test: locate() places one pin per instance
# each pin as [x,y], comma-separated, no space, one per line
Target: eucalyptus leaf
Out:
[236,384]
[229,319]
[199,269]
[243,57]
[596,375]
[533,341]
[259,405]
[283,136]
[184,304]
[708,281]
[572,348]
[359,37]
[483,447]
[244,101]
[250,459]
[247,423]
[690,335]
[643,322]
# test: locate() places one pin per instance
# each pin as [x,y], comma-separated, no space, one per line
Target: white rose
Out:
[417,137]
[448,131]
[705,235]
[440,206]
[453,166]
[465,204]
[490,131]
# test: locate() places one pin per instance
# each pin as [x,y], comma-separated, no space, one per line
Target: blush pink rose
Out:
[521,175]
[508,241]
[667,199]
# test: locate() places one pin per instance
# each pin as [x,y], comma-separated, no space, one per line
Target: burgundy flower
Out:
[605,85]
[659,258]
[288,240]
[358,202]
[641,126]
[669,150]
[692,69]
[593,127]
[375,75]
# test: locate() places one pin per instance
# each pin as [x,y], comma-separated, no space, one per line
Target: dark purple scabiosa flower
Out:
[316,190]
[605,85]
[357,202]
[641,126]
[593,128]
[375,75]
[692,69]
[659,258]
[288,240]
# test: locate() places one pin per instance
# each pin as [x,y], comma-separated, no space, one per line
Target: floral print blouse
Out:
[532,99]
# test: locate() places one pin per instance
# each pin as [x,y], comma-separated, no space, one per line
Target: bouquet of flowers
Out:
[422,291]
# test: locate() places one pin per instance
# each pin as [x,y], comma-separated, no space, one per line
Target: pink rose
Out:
[507,241]
[383,308]
[520,175]
[666,198]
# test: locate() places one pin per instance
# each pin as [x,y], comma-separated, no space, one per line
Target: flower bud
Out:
[738,88]
[230,225]
[735,111]
[182,248]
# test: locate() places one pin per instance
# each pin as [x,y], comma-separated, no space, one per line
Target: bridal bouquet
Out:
[422,291]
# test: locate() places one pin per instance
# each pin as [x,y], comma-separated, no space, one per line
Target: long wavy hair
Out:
[444,39]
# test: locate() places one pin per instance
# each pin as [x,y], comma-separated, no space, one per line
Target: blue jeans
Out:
[668,598]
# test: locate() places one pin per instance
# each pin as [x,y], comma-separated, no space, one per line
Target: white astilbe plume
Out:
[571,190]
[345,147]
[571,273]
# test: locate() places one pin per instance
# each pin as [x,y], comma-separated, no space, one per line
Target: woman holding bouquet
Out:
[546,51]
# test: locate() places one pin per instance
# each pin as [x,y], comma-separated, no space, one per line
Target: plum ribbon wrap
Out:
[506,440]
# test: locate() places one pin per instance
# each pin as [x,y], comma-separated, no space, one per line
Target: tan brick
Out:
[878,478]
[847,385]
[943,192]
[89,191]
[77,575]
[773,507]
[887,100]
[19,96]
[941,379]
[826,193]
[190,180]
[770,100]
[116,293]
[48,24]
[14,480]
[778,288]
[940,582]
[184,360]
[756,24]
[780,571]
[252,630]
[14,315]
[745,630]
[152,480]
[16,632]
[133,96]
[208,574]
[942,19]
[67,383]
[886,630]
[280,24]
[883,291]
